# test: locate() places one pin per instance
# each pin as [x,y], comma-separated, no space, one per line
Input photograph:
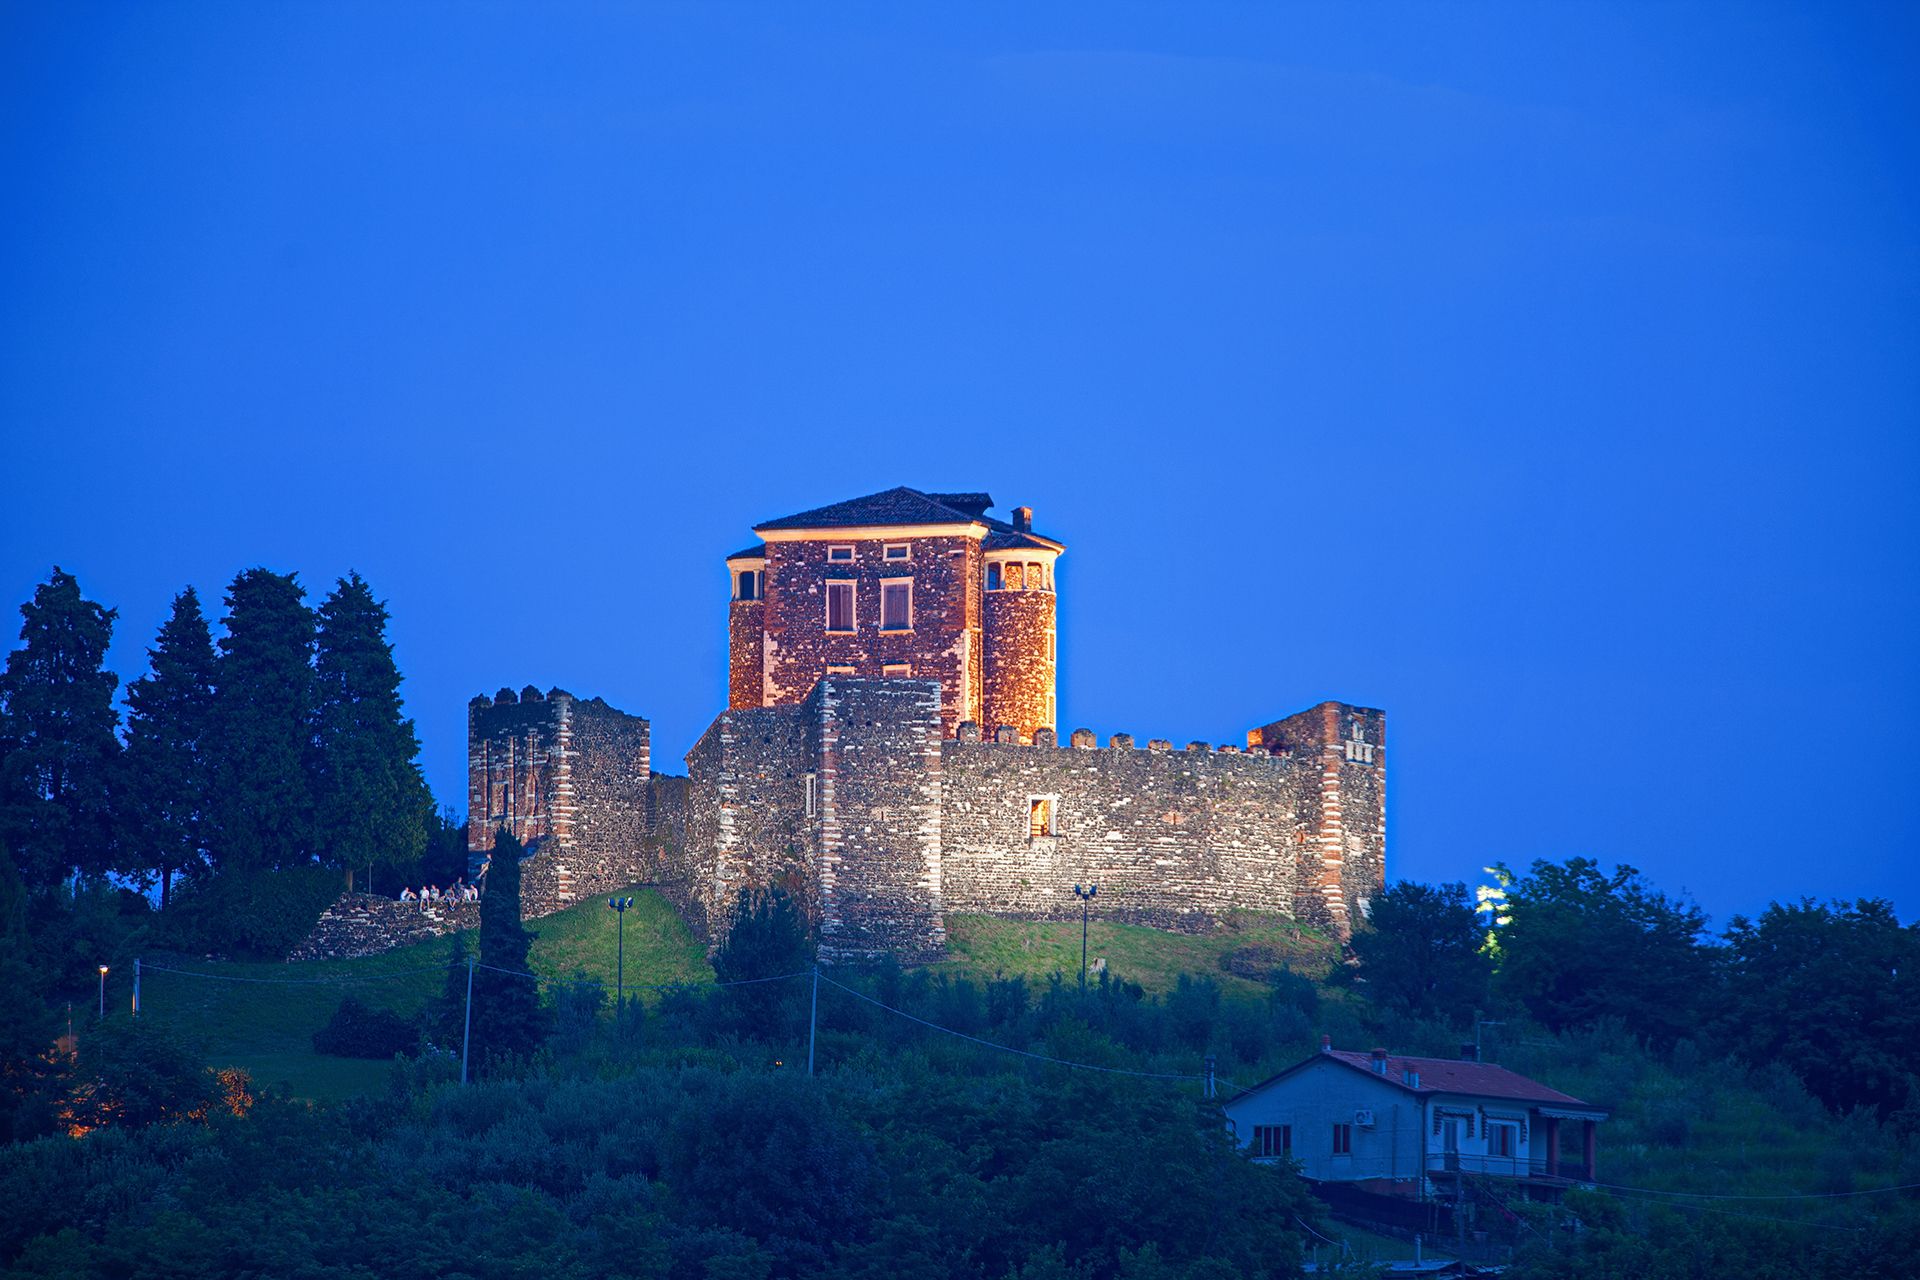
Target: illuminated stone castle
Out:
[890,754]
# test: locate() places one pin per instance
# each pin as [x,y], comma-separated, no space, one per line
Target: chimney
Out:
[1023,519]
[1380,1062]
[1469,1052]
[1326,1044]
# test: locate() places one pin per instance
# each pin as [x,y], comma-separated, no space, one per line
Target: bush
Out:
[360,1031]
[259,915]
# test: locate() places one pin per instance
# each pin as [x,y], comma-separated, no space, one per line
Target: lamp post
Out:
[1085,894]
[619,908]
[103,992]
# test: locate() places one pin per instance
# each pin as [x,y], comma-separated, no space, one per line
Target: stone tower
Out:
[900,585]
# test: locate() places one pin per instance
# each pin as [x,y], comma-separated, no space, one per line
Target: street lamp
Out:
[1086,899]
[103,992]
[619,908]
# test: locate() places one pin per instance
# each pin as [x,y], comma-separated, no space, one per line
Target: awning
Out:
[1561,1113]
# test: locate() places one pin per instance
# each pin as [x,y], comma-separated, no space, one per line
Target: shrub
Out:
[255,915]
[360,1031]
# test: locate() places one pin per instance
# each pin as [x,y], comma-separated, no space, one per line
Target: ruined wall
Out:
[746,822]
[878,868]
[1175,839]
[515,763]
[361,924]
[943,644]
[1018,678]
[1344,748]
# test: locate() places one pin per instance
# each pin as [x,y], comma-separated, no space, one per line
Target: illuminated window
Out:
[897,551]
[1042,816]
[834,669]
[840,606]
[839,555]
[896,670]
[1343,1139]
[1272,1140]
[896,604]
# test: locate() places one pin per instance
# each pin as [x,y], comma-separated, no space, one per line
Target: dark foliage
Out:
[508,1018]
[1421,953]
[169,711]
[1582,946]
[262,732]
[132,1073]
[357,1030]
[371,804]
[59,758]
[766,937]
[260,915]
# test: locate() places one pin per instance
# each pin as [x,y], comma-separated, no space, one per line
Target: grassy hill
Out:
[266,1022]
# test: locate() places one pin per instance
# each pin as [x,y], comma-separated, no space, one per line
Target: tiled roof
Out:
[1443,1076]
[891,506]
[758,551]
[972,503]
[1007,540]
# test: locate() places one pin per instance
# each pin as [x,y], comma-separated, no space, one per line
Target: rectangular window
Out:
[812,796]
[749,585]
[840,606]
[1343,1139]
[833,669]
[896,670]
[1043,814]
[897,551]
[839,555]
[1501,1139]
[896,604]
[1272,1140]
[993,576]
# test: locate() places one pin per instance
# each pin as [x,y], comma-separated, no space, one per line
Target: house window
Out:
[811,791]
[896,670]
[1501,1140]
[896,604]
[836,669]
[1272,1140]
[993,576]
[839,555]
[748,585]
[1343,1139]
[1043,816]
[840,605]
[897,551]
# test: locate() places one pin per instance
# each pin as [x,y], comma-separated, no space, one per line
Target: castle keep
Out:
[890,753]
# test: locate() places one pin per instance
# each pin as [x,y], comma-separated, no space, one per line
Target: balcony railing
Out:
[1507,1166]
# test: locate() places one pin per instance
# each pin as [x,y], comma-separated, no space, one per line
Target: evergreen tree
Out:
[59,757]
[370,801]
[168,713]
[262,729]
[507,1017]
[1422,953]
[26,1028]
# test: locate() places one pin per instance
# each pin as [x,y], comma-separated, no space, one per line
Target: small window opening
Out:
[1041,817]
[898,551]
[840,555]
[812,795]
[749,584]
[993,576]
[896,670]
[1343,1139]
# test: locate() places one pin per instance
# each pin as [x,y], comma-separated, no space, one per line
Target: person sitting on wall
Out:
[406,894]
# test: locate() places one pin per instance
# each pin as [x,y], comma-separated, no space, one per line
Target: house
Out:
[1417,1127]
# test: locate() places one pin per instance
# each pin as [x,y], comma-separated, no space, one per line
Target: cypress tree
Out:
[168,714]
[507,1017]
[59,757]
[262,729]
[371,803]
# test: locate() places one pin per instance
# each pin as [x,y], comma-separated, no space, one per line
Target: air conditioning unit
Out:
[1364,1119]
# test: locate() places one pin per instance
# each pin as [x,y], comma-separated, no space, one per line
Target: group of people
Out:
[458,891]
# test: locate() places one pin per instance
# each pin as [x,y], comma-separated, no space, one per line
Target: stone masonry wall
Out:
[1175,839]
[746,824]
[361,924]
[604,781]
[746,641]
[1019,669]
[1344,748]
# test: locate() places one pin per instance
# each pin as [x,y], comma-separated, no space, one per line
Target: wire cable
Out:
[147,966]
[1037,1057]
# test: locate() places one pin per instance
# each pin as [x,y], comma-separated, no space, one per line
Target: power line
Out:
[147,966]
[1038,1057]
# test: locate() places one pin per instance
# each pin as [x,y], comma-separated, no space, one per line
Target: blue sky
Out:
[1542,374]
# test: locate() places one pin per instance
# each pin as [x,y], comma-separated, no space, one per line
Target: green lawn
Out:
[988,946]
[267,1025]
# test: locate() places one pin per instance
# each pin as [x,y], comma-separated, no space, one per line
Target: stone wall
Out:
[746,641]
[1174,839]
[1019,669]
[1344,749]
[746,824]
[361,924]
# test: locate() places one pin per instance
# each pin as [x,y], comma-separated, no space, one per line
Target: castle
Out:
[889,753]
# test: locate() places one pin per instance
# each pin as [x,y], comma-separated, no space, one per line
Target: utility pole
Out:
[1209,1077]
[466,1033]
[1085,894]
[619,908]
[813,1018]
[136,987]
[103,993]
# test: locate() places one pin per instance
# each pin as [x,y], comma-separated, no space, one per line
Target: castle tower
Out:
[896,586]
[1021,649]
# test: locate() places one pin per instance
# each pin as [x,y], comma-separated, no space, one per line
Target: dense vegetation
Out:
[1771,1066]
